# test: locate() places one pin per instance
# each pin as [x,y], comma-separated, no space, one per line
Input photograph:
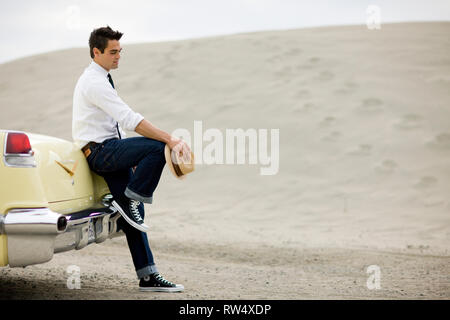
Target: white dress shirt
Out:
[97,108]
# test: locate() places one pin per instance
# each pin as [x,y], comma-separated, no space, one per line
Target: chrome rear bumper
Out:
[34,235]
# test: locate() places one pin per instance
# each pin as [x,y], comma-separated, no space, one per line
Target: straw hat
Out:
[177,166]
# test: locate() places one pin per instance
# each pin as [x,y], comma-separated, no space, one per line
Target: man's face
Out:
[109,59]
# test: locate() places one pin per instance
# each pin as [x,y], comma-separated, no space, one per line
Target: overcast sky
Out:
[30,27]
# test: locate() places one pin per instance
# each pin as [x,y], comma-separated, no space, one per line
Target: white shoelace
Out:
[134,204]
[161,279]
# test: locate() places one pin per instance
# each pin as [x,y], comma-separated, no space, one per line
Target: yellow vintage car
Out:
[50,201]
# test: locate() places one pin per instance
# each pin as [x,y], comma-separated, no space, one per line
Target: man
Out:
[131,167]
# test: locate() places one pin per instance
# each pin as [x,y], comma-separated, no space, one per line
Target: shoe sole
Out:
[178,288]
[141,227]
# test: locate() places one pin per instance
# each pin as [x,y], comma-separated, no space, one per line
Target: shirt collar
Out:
[94,65]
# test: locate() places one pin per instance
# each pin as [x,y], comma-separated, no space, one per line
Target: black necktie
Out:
[112,84]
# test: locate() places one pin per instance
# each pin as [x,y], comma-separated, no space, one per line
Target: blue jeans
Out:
[113,160]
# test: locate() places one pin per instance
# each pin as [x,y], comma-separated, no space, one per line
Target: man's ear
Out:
[96,52]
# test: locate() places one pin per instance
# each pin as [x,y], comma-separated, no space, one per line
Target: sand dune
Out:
[364,174]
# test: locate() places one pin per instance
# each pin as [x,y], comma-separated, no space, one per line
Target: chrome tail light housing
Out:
[17,150]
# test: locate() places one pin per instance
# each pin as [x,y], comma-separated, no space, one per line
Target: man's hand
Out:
[181,148]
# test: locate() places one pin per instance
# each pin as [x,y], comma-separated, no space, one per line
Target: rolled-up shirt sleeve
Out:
[107,99]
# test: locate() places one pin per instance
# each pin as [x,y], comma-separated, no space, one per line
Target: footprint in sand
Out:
[387,166]
[327,121]
[326,76]
[274,59]
[361,150]
[222,109]
[333,136]
[342,91]
[284,72]
[193,44]
[295,51]
[256,43]
[409,122]
[305,108]
[433,201]
[176,47]
[309,106]
[168,75]
[443,78]
[303,67]
[426,182]
[296,109]
[292,52]
[371,105]
[302,93]
[349,87]
[372,102]
[441,141]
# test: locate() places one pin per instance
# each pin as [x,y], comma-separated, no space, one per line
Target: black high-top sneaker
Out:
[132,215]
[156,283]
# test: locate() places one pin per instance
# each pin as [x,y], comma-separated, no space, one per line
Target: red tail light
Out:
[17,143]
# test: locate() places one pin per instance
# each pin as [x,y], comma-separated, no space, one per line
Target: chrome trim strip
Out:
[92,227]
[2,224]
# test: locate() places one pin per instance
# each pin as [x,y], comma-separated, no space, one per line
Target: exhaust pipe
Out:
[61,224]
[31,235]
[34,221]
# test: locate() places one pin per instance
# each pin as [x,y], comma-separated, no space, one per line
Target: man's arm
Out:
[146,129]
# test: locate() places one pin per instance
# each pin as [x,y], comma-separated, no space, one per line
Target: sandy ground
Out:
[234,272]
[364,173]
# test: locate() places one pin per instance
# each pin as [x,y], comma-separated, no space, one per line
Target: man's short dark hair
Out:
[99,39]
